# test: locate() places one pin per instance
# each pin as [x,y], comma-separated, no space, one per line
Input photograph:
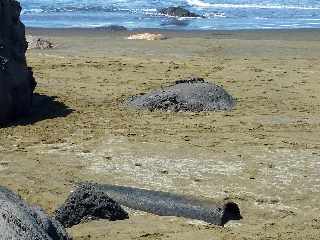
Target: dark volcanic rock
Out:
[16,79]
[178,12]
[193,95]
[171,204]
[112,28]
[18,221]
[87,202]
[175,22]
[50,225]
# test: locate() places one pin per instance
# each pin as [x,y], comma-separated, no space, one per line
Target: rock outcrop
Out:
[19,221]
[178,12]
[16,79]
[87,203]
[192,95]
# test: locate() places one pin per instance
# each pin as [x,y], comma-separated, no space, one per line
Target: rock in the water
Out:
[16,79]
[87,202]
[178,12]
[18,221]
[175,22]
[193,95]
[112,28]
[38,43]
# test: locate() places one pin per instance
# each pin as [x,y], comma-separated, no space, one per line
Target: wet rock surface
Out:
[194,95]
[178,12]
[175,22]
[16,79]
[87,202]
[112,28]
[18,221]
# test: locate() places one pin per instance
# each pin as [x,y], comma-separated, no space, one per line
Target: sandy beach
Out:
[263,155]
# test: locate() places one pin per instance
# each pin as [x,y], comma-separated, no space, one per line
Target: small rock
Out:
[164,172]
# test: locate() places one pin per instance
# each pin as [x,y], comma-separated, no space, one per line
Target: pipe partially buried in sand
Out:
[169,204]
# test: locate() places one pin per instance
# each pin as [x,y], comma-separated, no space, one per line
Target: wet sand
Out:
[264,155]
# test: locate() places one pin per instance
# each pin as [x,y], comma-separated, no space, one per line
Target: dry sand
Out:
[264,155]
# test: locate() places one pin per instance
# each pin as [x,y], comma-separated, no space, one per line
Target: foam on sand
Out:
[147,36]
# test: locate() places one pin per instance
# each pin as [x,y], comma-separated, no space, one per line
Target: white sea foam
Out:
[201,4]
[33,10]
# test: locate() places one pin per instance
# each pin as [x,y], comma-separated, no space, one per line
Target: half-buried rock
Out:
[19,221]
[194,95]
[88,203]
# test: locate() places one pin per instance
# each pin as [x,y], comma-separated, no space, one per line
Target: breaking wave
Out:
[219,14]
[199,3]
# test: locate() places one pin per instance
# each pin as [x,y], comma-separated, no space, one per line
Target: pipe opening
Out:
[231,212]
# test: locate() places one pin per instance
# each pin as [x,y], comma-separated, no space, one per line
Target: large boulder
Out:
[178,12]
[19,221]
[88,203]
[16,79]
[191,95]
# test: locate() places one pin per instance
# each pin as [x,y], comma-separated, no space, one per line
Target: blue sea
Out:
[219,14]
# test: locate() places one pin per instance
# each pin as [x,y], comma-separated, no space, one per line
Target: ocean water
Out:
[219,14]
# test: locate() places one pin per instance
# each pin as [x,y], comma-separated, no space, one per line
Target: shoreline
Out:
[305,34]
